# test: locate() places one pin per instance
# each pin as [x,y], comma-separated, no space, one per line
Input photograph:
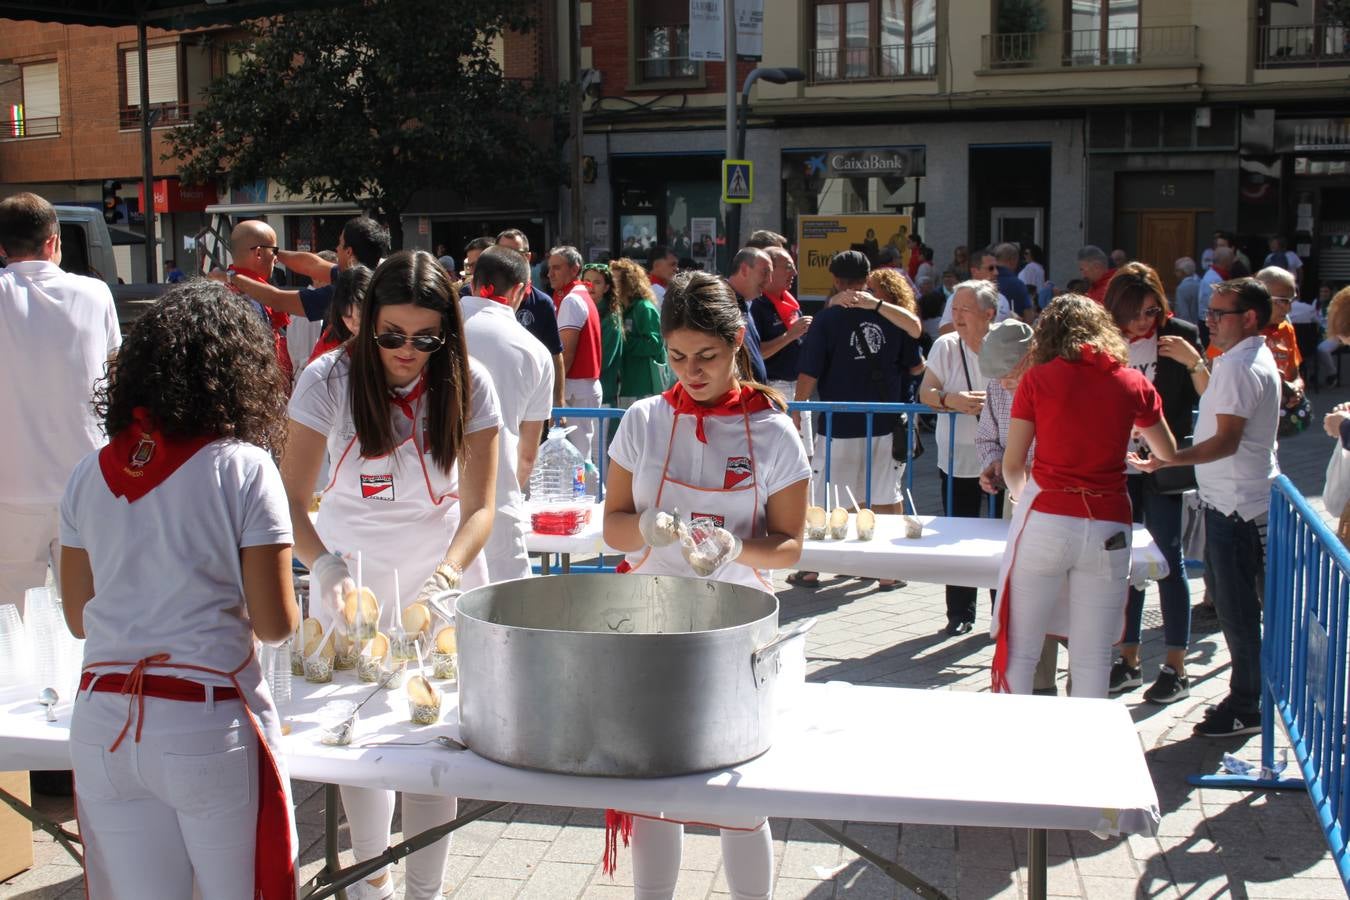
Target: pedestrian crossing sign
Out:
[738,181]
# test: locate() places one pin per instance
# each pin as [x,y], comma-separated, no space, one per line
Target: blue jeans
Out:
[1161,515]
[1235,558]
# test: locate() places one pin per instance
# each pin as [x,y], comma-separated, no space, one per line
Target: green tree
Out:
[371,102]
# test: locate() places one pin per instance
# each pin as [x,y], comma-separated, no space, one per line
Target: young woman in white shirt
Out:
[176,556]
[724,446]
[410,425]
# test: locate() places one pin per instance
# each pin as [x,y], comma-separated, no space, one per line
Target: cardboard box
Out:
[16,832]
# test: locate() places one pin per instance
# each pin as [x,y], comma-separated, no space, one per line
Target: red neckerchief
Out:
[1152,329]
[139,457]
[789,310]
[658,280]
[278,321]
[560,294]
[406,401]
[736,402]
[487,292]
[1223,273]
[1091,356]
[326,343]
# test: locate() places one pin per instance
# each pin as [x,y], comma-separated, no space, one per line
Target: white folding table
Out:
[842,752]
[956,551]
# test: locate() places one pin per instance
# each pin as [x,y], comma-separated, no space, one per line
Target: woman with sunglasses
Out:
[410,424]
[1167,350]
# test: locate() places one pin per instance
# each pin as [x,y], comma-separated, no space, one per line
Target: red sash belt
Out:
[161,687]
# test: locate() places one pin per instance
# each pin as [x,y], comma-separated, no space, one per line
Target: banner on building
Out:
[703,242]
[707,39]
[819,238]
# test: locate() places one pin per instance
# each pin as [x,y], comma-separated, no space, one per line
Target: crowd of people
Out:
[169,478]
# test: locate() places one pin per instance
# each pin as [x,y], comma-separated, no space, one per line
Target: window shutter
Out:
[41,91]
[162,62]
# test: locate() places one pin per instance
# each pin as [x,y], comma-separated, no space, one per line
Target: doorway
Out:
[1164,236]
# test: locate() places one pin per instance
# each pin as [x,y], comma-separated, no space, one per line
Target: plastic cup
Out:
[318,669]
[333,717]
[445,666]
[424,702]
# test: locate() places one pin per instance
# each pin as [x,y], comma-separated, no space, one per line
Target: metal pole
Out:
[1037,858]
[578,210]
[729,55]
[147,161]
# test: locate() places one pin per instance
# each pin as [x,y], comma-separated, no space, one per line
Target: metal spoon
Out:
[443,740]
[49,698]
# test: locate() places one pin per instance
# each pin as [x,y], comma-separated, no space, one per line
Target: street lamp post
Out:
[775,75]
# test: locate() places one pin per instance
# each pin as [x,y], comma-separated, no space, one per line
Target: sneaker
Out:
[1124,677]
[364,890]
[1169,688]
[1224,721]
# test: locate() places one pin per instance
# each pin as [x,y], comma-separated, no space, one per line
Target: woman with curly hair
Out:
[1067,566]
[410,423]
[176,555]
[600,285]
[642,373]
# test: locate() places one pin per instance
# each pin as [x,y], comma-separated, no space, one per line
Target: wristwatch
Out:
[1197,368]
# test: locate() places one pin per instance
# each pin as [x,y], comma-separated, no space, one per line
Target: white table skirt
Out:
[956,551]
[856,753]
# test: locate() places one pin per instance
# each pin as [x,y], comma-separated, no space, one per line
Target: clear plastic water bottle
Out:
[558,500]
[276,663]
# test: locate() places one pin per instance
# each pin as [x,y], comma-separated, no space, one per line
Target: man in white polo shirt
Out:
[1234,459]
[522,371]
[57,331]
[579,328]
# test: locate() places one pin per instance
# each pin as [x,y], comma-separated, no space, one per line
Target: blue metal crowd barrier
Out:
[1303,664]
[604,416]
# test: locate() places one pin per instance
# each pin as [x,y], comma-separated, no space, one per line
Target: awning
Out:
[155,13]
[286,208]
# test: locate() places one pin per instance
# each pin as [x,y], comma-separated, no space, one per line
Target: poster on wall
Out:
[703,242]
[707,40]
[819,238]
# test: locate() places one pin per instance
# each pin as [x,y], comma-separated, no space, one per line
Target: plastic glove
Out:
[444,578]
[330,581]
[660,528]
[709,549]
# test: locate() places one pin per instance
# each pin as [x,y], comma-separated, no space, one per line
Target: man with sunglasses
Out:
[253,253]
[1234,459]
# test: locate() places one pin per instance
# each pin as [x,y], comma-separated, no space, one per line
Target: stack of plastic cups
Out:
[275,662]
[14,668]
[57,655]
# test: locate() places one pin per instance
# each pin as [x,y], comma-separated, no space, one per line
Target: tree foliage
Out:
[371,102]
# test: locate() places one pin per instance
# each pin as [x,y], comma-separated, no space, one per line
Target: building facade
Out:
[1143,125]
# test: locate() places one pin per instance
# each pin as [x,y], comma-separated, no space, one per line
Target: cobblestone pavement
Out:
[1211,843]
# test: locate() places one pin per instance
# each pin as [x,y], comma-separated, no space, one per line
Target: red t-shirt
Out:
[1083,413]
[1098,290]
[586,364]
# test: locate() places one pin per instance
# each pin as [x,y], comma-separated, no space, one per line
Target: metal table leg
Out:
[566,562]
[545,563]
[1037,860]
[330,833]
[67,839]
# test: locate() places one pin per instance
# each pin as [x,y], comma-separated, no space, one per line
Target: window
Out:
[1102,32]
[164,81]
[1313,32]
[661,41]
[875,39]
[40,112]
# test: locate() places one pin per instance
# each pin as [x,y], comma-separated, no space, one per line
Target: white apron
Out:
[737,509]
[400,512]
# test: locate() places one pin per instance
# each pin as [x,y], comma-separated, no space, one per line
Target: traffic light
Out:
[111,213]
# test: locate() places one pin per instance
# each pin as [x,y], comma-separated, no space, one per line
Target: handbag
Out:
[1296,417]
[1173,479]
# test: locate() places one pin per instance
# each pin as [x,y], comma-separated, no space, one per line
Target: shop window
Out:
[874,39]
[165,83]
[661,41]
[32,106]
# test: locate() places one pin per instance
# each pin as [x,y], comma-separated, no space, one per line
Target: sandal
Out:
[804,579]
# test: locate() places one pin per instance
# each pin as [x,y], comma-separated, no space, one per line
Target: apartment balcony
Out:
[1168,46]
[890,62]
[162,115]
[1291,46]
[30,127]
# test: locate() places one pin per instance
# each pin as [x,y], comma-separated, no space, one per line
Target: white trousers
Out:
[807,430]
[369,814]
[1326,361]
[1055,554]
[585,393]
[747,860]
[180,806]
[28,541]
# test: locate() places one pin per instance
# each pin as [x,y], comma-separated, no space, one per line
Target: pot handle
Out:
[443,604]
[765,662]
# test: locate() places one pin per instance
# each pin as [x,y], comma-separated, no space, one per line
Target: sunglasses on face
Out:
[1151,313]
[422,343]
[273,247]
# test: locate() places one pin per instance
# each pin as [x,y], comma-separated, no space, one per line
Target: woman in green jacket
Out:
[644,353]
[601,286]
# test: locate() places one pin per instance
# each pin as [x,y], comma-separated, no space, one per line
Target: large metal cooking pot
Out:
[622,675]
